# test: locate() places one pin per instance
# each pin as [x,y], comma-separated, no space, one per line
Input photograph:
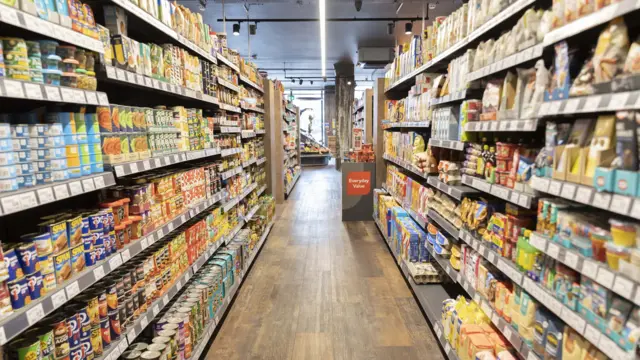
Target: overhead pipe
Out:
[417,18]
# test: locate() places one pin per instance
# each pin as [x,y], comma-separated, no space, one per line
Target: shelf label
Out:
[67,95]
[88,185]
[102,99]
[34,91]
[35,314]
[623,286]
[98,272]
[133,167]
[554,187]
[115,261]
[131,336]
[602,200]
[13,89]
[58,299]
[605,277]
[72,290]
[589,268]
[571,259]
[92,97]
[126,255]
[618,101]
[155,310]
[592,334]
[157,162]
[144,322]
[553,250]
[52,93]
[165,300]
[45,195]
[75,187]
[160,234]
[146,165]
[99,182]
[61,191]
[620,204]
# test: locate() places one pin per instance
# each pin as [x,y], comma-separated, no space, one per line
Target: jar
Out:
[615,253]
[69,79]
[623,233]
[81,58]
[52,77]
[66,51]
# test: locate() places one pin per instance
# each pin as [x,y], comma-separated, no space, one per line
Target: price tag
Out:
[165,300]
[126,255]
[133,168]
[75,188]
[131,336]
[620,204]
[554,107]
[506,331]
[52,93]
[618,101]
[35,314]
[568,191]
[99,182]
[492,257]
[605,277]
[544,108]
[553,250]
[115,261]
[554,187]
[183,218]
[592,334]
[571,106]
[58,299]
[111,72]
[139,79]
[636,298]
[148,82]
[447,348]
[144,322]
[514,197]
[589,268]
[34,91]
[13,89]
[146,165]
[623,286]
[486,308]
[145,243]
[88,185]
[592,103]
[571,259]
[602,200]
[92,97]
[157,162]
[155,310]
[45,195]
[170,226]
[120,75]
[102,99]
[538,241]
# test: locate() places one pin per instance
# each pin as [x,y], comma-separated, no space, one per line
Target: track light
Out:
[236,29]
[293,81]
[408,28]
[300,81]
[311,82]
[390,28]
[253,29]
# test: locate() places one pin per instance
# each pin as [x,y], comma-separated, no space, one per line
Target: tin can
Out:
[91,256]
[96,341]
[19,130]
[95,222]
[114,323]
[45,264]
[87,241]
[35,284]
[91,300]
[173,341]
[87,347]
[150,355]
[76,353]
[25,168]
[112,295]
[105,332]
[161,348]
[7,158]
[28,257]
[44,245]
[119,285]
[21,156]
[100,252]
[73,323]
[128,306]
[13,184]
[62,266]
[77,258]
[49,281]
[19,291]
[60,336]
[26,348]
[18,144]
[45,336]
[13,265]
[122,314]
[85,321]
[74,230]
[138,347]
[103,308]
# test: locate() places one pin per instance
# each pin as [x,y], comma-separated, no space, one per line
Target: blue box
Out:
[603,179]
[626,182]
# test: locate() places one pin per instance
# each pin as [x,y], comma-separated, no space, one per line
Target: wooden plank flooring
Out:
[323,289]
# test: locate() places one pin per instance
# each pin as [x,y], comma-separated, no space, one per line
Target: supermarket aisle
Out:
[322,289]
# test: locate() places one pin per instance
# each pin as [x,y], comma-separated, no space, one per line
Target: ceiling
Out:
[296,45]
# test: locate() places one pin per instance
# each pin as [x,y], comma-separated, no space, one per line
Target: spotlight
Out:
[236,29]
[348,82]
[358,4]
[390,28]
[408,28]
[252,29]
[311,82]
[300,81]
[293,81]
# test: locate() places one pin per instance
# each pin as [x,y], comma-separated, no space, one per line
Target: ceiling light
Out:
[323,39]
[252,29]
[311,82]
[236,29]
[390,28]
[408,28]
[300,81]
[399,7]
[348,82]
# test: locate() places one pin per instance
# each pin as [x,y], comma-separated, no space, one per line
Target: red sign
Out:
[358,183]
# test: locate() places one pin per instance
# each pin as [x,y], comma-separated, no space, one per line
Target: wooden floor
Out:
[323,289]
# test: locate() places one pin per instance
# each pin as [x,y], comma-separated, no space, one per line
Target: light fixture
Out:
[311,82]
[348,82]
[253,29]
[323,39]
[236,29]
[390,28]
[408,27]
[300,81]
[293,80]
[399,7]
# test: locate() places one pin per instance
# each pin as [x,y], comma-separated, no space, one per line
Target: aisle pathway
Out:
[323,289]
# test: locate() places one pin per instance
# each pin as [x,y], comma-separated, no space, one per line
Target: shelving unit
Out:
[31,205]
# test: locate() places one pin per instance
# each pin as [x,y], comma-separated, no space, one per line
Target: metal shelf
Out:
[27,21]
[502,125]
[130,78]
[293,183]
[407,124]
[233,202]
[16,323]
[608,102]
[254,109]
[28,90]
[229,85]
[157,162]
[455,191]
[246,80]
[405,165]
[232,151]
[510,61]
[457,96]
[515,197]
[447,144]
[231,108]
[29,198]
[227,62]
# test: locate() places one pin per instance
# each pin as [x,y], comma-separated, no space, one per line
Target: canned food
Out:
[11,185]
[73,323]
[45,264]
[96,341]
[102,303]
[87,348]
[28,257]
[77,258]
[62,266]
[46,340]
[100,252]
[131,355]
[35,284]
[59,175]
[60,336]
[161,348]
[43,243]
[114,323]
[8,171]
[150,355]
[90,257]
[6,145]
[7,158]
[24,181]
[112,296]
[37,129]
[43,177]
[138,347]
[105,331]
[49,281]
[22,169]
[26,348]
[58,164]
[18,144]
[13,264]
[122,314]
[76,353]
